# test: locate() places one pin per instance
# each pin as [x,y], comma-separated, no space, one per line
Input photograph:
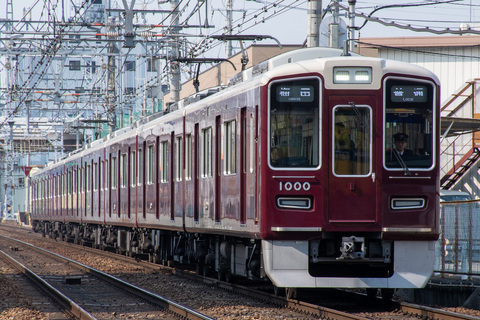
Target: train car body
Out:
[291,173]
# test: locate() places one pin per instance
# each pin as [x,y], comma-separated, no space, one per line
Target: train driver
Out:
[400,140]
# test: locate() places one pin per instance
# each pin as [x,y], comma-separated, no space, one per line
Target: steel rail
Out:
[151,297]
[68,306]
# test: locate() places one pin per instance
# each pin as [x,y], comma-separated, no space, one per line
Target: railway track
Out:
[309,309]
[98,289]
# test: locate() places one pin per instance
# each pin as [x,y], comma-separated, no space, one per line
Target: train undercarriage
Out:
[223,255]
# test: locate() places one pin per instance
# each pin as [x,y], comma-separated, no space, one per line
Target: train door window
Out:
[351,136]
[230,157]
[179,157]
[89,177]
[150,164]
[164,162]
[188,157]
[114,173]
[133,168]
[123,170]
[101,175]
[207,152]
[140,167]
[105,175]
[95,176]
[294,124]
[408,128]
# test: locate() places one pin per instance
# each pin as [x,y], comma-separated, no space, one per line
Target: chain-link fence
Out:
[458,249]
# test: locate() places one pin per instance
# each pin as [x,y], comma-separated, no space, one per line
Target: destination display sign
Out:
[409,94]
[295,93]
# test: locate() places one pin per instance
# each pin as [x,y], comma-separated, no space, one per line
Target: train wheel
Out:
[387,294]
[228,277]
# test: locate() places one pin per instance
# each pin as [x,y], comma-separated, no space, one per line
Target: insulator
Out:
[112,34]
[146,34]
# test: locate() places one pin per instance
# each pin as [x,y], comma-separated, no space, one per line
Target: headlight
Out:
[352,75]
[407,203]
[294,203]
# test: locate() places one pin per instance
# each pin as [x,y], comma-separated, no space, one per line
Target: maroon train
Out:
[291,173]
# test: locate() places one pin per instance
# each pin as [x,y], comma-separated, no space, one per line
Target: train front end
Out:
[349,174]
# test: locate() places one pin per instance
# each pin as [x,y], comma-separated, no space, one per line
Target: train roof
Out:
[291,62]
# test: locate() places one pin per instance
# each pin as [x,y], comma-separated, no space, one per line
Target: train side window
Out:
[133,168]
[89,177]
[294,124]
[188,157]
[123,170]
[179,157]
[150,164]
[140,167]
[95,176]
[114,173]
[207,152]
[164,162]
[409,113]
[230,147]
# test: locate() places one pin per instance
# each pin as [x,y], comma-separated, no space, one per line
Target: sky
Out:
[290,26]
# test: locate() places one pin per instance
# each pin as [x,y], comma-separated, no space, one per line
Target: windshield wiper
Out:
[401,162]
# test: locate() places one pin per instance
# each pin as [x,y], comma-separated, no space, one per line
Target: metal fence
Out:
[458,249]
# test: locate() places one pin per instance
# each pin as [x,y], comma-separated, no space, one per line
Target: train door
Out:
[351,178]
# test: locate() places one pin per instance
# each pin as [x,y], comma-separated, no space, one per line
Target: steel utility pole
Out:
[174,54]
[314,20]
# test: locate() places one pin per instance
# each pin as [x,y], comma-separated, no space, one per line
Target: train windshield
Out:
[294,124]
[409,112]
[352,140]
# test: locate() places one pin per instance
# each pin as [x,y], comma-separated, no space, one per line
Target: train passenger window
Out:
[207,152]
[179,157]
[409,114]
[114,172]
[95,177]
[133,168]
[89,178]
[351,140]
[123,171]
[230,147]
[188,157]
[294,124]
[150,164]
[164,162]
[140,167]
[101,177]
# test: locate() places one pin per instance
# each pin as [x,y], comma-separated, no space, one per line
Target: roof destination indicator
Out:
[409,94]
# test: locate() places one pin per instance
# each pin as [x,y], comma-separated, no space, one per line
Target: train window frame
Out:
[230,147]
[140,167]
[133,168]
[124,170]
[207,152]
[178,158]
[150,164]
[89,178]
[316,153]
[188,156]
[387,139]
[95,176]
[114,172]
[356,111]
[164,161]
